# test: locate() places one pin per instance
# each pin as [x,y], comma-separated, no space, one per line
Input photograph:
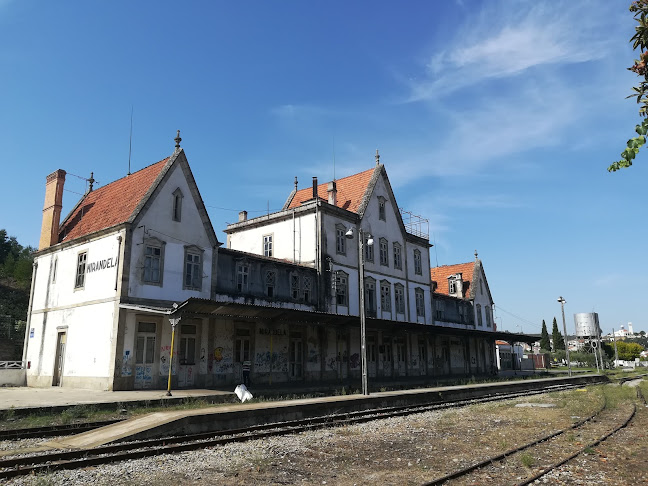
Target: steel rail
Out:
[488,461]
[579,452]
[37,463]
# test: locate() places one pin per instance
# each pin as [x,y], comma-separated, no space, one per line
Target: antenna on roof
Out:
[377,157]
[130,142]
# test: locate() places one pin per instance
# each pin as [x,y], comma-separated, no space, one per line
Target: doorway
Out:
[60,358]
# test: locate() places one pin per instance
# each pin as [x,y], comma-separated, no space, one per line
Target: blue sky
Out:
[495,120]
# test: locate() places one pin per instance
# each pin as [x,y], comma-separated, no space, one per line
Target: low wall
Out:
[11,377]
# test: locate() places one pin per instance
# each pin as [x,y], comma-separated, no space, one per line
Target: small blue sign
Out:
[31,332]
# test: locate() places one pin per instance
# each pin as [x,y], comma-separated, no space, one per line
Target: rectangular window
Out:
[193,271]
[370,297]
[384,252]
[385,296]
[187,351]
[381,208]
[307,288]
[242,277]
[152,264]
[452,286]
[479,315]
[400,351]
[487,311]
[267,245]
[270,283]
[177,205]
[387,356]
[54,270]
[368,249]
[418,267]
[439,307]
[340,240]
[294,286]
[399,294]
[341,288]
[398,262]
[82,259]
[420,302]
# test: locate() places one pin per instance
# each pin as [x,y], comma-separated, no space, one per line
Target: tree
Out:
[558,341]
[15,261]
[545,343]
[639,40]
[629,351]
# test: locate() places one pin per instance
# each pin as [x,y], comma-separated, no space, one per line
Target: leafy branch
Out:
[640,67]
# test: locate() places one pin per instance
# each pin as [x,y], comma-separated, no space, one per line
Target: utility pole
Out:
[562,306]
[616,351]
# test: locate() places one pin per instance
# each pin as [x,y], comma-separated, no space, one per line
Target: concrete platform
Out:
[23,400]
[222,417]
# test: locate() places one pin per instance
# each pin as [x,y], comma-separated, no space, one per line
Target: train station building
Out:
[137,261]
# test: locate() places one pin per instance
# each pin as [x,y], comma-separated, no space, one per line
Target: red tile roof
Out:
[111,204]
[350,191]
[440,276]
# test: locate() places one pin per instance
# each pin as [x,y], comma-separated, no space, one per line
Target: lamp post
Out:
[174,322]
[363,323]
[562,307]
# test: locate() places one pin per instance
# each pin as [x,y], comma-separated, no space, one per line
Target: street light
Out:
[363,324]
[562,306]
[174,322]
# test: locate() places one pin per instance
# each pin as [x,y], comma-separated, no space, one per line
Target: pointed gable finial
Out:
[91,181]
[476,256]
[177,140]
[377,157]
[295,183]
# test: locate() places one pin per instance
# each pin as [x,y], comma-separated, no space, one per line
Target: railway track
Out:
[54,430]
[22,464]
[591,431]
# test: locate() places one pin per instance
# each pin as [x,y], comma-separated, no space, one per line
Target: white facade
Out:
[311,234]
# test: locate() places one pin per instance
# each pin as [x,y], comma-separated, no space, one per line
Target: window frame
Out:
[418,262]
[154,242]
[193,250]
[340,239]
[487,311]
[342,288]
[383,246]
[307,285]
[176,205]
[371,310]
[385,296]
[270,283]
[368,249]
[268,245]
[452,285]
[419,297]
[398,255]
[295,290]
[382,203]
[480,322]
[242,276]
[81,267]
[399,304]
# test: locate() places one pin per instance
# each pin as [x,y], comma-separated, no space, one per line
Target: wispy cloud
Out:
[502,41]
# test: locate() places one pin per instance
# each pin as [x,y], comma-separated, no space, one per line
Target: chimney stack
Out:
[332,193]
[314,187]
[242,216]
[52,209]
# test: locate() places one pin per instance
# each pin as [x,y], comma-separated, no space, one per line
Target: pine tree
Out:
[558,341]
[545,343]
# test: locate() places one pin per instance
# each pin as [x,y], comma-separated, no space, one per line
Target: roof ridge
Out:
[453,265]
[133,173]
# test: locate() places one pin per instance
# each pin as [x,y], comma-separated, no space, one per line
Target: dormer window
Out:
[177,205]
[452,285]
[381,208]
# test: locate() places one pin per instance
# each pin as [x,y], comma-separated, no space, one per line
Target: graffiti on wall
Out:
[354,360]
[126,367]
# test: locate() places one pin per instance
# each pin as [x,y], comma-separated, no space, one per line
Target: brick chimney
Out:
[242,216]
[332,193]
[52,209]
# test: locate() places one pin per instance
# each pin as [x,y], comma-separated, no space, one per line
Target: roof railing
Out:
[415,225]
